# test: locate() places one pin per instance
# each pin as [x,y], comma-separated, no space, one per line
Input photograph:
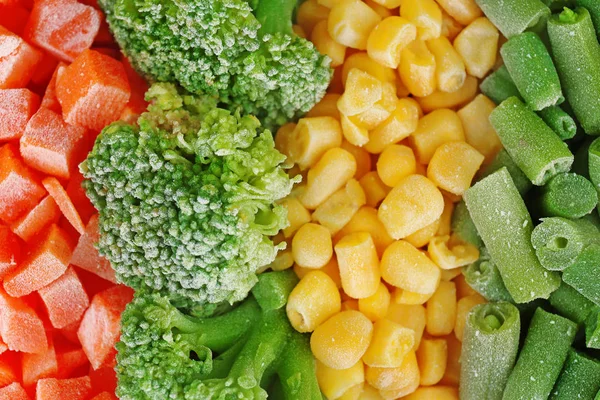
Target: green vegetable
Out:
[592,329]
[532,145]
[570,304]
[580,378]
[485,278]
[593,154]
[576,54]
[503,159]
[505,227]
[547,344]
[512,17]
[186,200]
[569,196]
[243,52]
[558,5]
[561,123]
[489,350]
[499,86]
[584,272]
[593,7]
[463,227]
[273,288]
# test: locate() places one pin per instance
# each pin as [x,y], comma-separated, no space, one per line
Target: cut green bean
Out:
[593,7]
[463,226]
[532,70]
[514,16]
[484,277]
[569,196]
[533,146]
[570,304]
[579,379]
[489,350]
[503,159]
[576,55]
[583,275]
[499,86]
[559,121]
[594,163]
[592,329]
[505,226]
[540,362]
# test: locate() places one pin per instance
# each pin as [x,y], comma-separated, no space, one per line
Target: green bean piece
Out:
[561,123]
[532,70]
[503,159]
[593,7]
[499,86]
[594,163]
[489,350]
[540,362]
[505,226]
[484,277]
[592,329]
[568,195]
[533,146]
[570,304]
[579,379]
[584,273]
[514,16]
[576,55]
[463,226]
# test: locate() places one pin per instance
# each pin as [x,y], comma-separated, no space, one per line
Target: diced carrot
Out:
[20,186]
[49,100]
[65,204]
[71,389]
[18,60]
[10,366]
[65,299]
[47,260]
[100,328]
[77,195]
[105,396]
[103,380]
[10,251]
[20,327]
[69,332]
[70,362]
[14,391]
[13,17]
[16,108]
[34,222]
[137,104]
[43,73]
[40,365]
[86,255]
[64,28]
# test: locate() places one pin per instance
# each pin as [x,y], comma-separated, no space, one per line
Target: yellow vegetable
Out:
[449,67]
[450,255]
[365,63]
[362,91]
[409,316]
[426,15]
[458,98]
[453,166]
[376,306]
[326,45]
[432,357]
[417,69]
[395,163]
[311,246]
[463,307]
[362,157]
[327,107]
[478,46]
[335,382]
[434,392]
[297,215]
[309,14]
[479,133]
[401,296]
[312,137]
[441,310]
[350,23]
[434,129]
[388,38]
[394,378]
[365,220]
[390,344]
[399,125]
[359,265]
[422,237]
[375,189]
[340,207]
[354,133]
[463,11]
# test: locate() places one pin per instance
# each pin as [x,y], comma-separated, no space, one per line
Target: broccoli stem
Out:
[296,370]
[275,16]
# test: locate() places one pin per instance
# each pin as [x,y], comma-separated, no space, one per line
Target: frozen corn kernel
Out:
[394,378]
[478,46]
[449,255]
[411,387]
[331,269]
[422,237]
[453,166]
[446,218]
[362,91]
[359,264]
[381,110]
[463,307]
[450,69]
[326,45]
[401,296]
[314,299]
[388,38]
[365,63]
[450,27]
[327,107]
[354,133]
[370,393]
[340,207]
[441,310]
[376,306]
[390,344]
[383,12]
[362,157]
[350,23]
[459,98]
[434,129]
[450,274]
[365,220]
[389,4]
[283,260]
[353,393]
[283,138]
[342,340]
[452,374]
[311,246]
[309,14]
[399,125]
[411,205]
[463,289]
[375,189]
[297,215]
[406,267]
[335,382]
[395,163]
[463,11]
[312,137]
[417,69]
[432,357]
[426,15]
[411,317]
[479,133]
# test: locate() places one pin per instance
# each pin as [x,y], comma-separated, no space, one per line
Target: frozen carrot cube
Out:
[65,204]
[43,73]
[71,361]
[103,380]
[18,60]
[14,391]
[49,100]
[16,108]
[100,328]
[64,28]
[13,17]
[9,368]
[77,195]
[10,251]
[39,365]
[137,104]
[20,186]
[86,255]
[65,299]
[69,332]
[47,260]
[20,327]
[34,222]
[72,389]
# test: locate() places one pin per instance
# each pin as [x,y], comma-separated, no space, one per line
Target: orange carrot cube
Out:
[39,365]
[10,251]
[65,204]
[20,327]
[16,108]
[86,255]
[65,299]
[70,361]
[33,222]
[103,380]
[77,195]
[18,60]
[10,366]
[69,332]
[72,389]
[49,100]
[14,391]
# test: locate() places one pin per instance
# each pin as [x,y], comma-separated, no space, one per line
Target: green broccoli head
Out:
[224,48]
[187,199]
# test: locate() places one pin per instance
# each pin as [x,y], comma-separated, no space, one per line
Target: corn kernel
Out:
[449,67]
[399,125]
[326,45]
[380,111]
[375,306]
[340,207]
[448,255]
[395,163]
[311,246]
[422,237]
[353,132]
[388,38]
[455,99]
[309,14]
[434,392]
[452,374]
[453,166]
[478,46]
[401,296]
[432,357]
[412,204]
[327,176]
[446,218]
[327,107]
[375,189]
[391,342]
[359,265]
[314,299]
[297,215]
[389,4]
[403,392]
[328,3]
[434,129]
[417,69]
[479,133]
[283,138]
[394,378]
[351,304]
[441,310]
[363,90]
[342,340]
[365,63]
[463,11]
[463,307]
[370,393]
[365,220]
[362,157]
[283,260]
[335,382]
[450,274]
[463,289]
[383,12]
[450,27]
[404,266]
[350,23]
[353,393]
[426,15]
[409,316]
[312,138]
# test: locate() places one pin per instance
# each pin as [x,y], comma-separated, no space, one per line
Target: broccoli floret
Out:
[187,198]
[167,354]
[245,53]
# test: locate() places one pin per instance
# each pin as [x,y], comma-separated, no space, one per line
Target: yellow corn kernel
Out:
[353,393]
[327,176]
[411,317]
[399,125]
[422,237]
[335,382]
[394,378]
[365,63]
[350,23]
[359,265]
[434,129]
[406,267]
[309,14]
[370,393]
[389,4]
[362,157]
[463,289]
[446,218]
[426,15]
[312,138]
[326,45]
[432,357]
[298,190]
[449,67]
[340,207]
[453,166]
[342,340]
[283,138]
[477,44]
[450,274]
[463,307]
[297,215]
[395,163]
[314,299]
[434,392]
[401,296]
[353,132]
[479,133]
[311,246]
[283,260]
[449,255]
[381,110]
[450,27]
[351,304]
[388,38]
[463,11]
[327,3]
[362,91]
[455,99]
[441,310]
[411,205]
[375,189]
[365,220]
[403,392]
[417,69]
[375,306]
[327,107]
[391,342]
[383,12]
